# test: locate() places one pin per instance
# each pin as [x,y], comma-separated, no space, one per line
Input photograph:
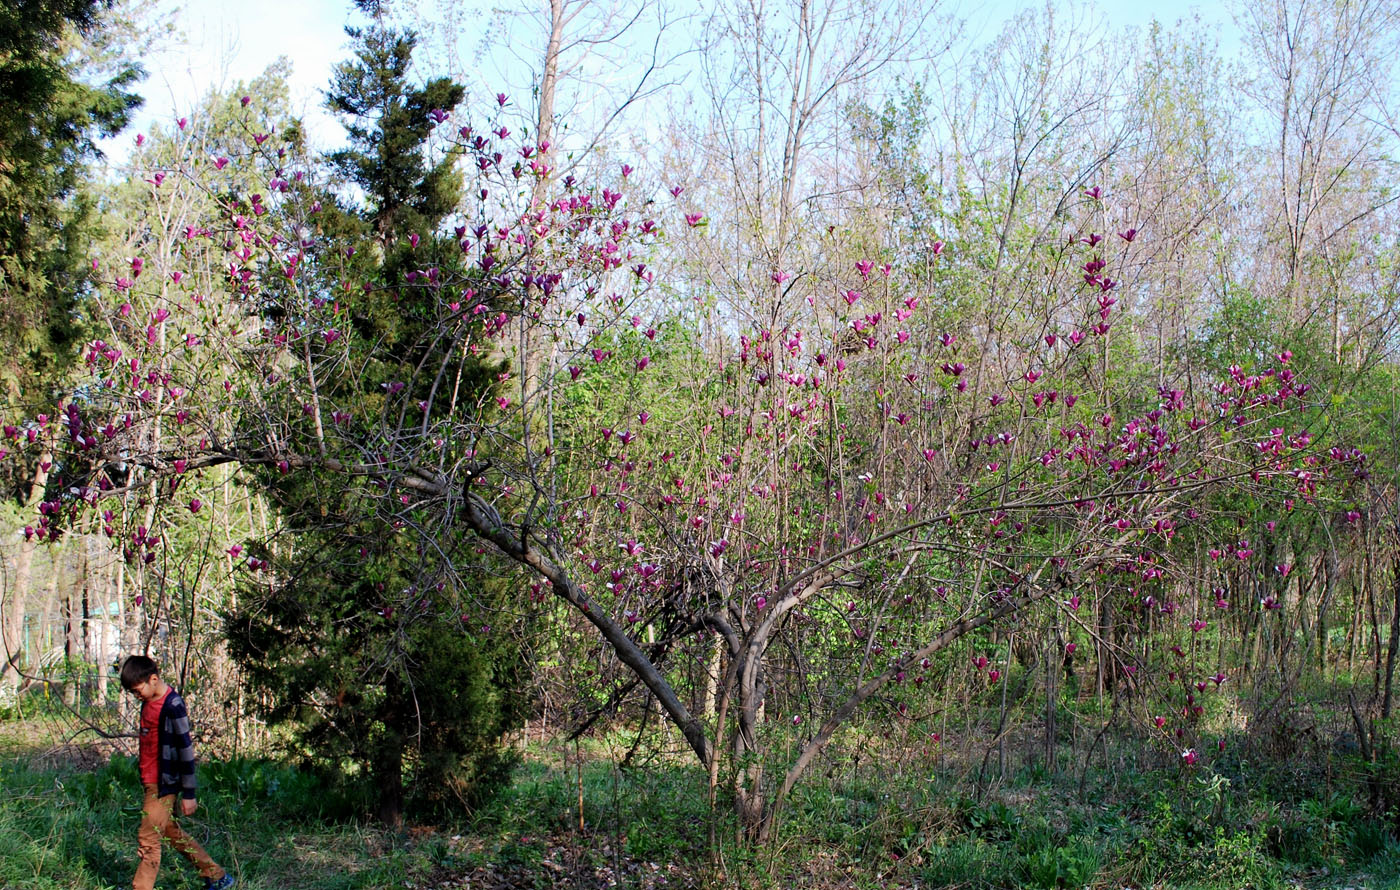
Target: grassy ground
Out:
[873,820]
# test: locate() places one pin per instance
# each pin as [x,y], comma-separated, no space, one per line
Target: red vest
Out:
[150,739]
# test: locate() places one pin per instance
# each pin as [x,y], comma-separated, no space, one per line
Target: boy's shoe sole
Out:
[223,883]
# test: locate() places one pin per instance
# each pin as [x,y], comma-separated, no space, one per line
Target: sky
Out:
[224,42]
[230,40]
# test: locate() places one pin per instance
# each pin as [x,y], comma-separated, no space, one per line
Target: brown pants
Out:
[157,821]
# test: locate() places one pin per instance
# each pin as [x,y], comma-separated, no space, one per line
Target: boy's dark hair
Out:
[137,669]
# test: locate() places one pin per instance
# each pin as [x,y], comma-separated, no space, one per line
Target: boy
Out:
[167,768]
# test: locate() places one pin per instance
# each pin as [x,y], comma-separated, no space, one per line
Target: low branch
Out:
[485,522]
[870,687]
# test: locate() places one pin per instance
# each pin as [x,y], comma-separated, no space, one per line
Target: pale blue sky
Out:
[231,41]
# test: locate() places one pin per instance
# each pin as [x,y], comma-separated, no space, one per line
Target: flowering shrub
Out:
[836,478]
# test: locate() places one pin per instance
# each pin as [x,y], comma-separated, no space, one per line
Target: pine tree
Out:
[389,123]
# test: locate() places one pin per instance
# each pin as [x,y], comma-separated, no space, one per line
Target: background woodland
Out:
[771,386]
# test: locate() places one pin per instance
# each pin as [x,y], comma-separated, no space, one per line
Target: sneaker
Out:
[223,883]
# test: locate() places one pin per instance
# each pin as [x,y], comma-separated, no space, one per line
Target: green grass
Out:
[266,824]
[867,823]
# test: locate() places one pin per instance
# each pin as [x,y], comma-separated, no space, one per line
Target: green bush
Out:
[995,821]
[1071,864]
[1237,859]
[430,727]
[969,862]
[1368,839]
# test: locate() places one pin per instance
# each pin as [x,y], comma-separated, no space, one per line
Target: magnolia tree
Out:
[826,495]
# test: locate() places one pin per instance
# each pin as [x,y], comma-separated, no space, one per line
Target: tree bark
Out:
[388,760]
[12,609]
[1394,645]
[516,544]
[549,80]
[712,670]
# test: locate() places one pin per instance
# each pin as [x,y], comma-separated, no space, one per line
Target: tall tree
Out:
[49,121]
[401,687]
[1318,76]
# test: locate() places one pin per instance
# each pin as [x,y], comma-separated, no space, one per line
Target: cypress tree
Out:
[362,646]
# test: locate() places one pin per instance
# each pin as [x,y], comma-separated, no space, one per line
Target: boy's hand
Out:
[187,806]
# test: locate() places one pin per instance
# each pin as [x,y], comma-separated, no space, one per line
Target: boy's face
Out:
[148,688]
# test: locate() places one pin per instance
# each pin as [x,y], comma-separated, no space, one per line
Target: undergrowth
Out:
[863,822]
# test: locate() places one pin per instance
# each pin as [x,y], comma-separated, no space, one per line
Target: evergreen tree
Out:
[389,123]
[49,121]
[361,645]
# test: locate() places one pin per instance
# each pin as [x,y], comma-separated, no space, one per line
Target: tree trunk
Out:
[1388,700]
[89,651]
[549,79]
[76,602]
[70,610]
[1329,591]
[388,771]
[388,759]
[748,778]
[12,608]
[532,345]
[712,669]
[124,638]
[1052,666]
[1377,668]
[104,654]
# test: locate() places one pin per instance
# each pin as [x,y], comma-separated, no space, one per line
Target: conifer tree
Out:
[362,647]
[49,121]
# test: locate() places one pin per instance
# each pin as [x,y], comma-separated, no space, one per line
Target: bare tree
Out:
[1319,75]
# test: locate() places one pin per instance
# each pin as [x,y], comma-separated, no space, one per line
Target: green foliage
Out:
[1073,864]
[389,123]
[1197,840]
[49,119]
[1243,330]
[371,683]
[277,826]
[372,648]
[475,699]
[368,640]
[995,821]
[272,826]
